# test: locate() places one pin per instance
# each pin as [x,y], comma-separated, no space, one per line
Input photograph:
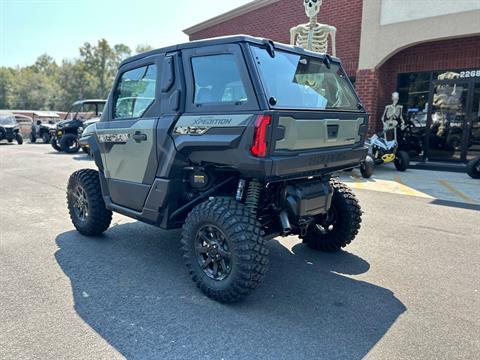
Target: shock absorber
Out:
[253,196]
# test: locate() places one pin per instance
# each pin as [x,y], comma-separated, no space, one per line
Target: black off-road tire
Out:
[367,167]
[245,242]
[473,168]
[67,141]
[402,160]
[19,139]
[348,217]
[55,143]
[98,218]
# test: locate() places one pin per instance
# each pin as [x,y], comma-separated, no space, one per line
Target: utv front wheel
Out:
[55,144]
[224,249]
[339,227]
[19,139]
[402,160]
[366,168]
[69,143]
[85,203]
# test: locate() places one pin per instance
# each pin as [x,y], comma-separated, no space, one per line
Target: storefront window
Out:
[453,129]
[414,90]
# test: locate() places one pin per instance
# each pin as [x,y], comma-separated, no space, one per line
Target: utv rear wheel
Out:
[85,203]
[340,226]
[402,160]
[19,139]
[69,143]
[55,144]
[46,138]
[366,168]
[224,249]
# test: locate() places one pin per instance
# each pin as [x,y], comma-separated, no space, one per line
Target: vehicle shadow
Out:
[132,288]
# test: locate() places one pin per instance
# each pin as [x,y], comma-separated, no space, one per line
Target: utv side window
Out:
[217,80]
[135,92]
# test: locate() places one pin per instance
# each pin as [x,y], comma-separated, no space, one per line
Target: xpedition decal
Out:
[199,125]
[113,138]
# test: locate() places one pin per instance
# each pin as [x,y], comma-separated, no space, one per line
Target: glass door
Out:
[448,120]
[473,131]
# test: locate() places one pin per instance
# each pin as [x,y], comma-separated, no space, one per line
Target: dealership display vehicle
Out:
[473,168]
[65,136]
[41,131]
[235,140]
[9,129]
[382,151]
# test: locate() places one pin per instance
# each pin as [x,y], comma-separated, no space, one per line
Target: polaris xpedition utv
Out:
[65,136]
[235,139]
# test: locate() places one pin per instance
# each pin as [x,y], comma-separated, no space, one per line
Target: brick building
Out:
[422,49]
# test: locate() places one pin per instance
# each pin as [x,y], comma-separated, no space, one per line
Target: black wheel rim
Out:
[80,203]
[213,253]
[72,144]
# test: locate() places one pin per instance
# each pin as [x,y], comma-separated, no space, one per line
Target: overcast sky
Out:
[29,28]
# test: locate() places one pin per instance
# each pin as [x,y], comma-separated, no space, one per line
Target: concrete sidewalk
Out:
[437,185]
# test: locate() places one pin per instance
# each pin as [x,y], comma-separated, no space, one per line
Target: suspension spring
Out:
[253,196]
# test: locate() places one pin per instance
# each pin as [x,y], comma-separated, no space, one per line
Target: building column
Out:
[367,86]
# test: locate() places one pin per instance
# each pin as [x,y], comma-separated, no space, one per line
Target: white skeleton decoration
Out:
[313,36]
[392,116]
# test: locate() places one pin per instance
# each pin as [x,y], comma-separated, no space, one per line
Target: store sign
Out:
[470,74]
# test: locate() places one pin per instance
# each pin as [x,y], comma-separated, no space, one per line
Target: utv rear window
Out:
[135,92]
[302,82]
[218,80]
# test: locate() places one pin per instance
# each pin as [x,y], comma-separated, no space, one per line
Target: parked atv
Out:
[66,134]
[381,151]
[216,137]
[41,131]
[473,168]
[9,129]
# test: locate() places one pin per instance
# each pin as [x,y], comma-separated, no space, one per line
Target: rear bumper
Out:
[325,161]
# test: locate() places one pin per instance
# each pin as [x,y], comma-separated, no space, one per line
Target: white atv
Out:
[380,151]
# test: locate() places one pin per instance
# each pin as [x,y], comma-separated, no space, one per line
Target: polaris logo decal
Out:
[113,138]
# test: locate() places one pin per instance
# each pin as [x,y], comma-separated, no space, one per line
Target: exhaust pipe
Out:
[286,227]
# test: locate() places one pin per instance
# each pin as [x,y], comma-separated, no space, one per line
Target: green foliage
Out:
[46,85]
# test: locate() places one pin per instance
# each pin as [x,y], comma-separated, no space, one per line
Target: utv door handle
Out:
[138,137]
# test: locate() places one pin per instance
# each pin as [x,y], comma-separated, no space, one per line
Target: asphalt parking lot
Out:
[408,287]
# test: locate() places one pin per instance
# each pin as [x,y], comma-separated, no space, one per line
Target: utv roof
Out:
[89,101]
[225,40]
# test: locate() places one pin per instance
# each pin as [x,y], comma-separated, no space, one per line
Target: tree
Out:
[7,76]
[143,48]
[46,85]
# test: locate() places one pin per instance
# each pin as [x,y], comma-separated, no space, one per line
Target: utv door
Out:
[128,138]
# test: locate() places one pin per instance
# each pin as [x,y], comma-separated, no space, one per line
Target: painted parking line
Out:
[384,185]
[446,186]
[457,192]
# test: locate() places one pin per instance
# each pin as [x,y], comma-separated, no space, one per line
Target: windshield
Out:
[301,82]
[7,120]
[85,111]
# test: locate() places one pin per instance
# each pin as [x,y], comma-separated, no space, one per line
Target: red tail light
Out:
[259,147]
